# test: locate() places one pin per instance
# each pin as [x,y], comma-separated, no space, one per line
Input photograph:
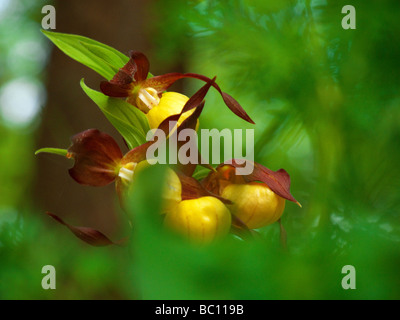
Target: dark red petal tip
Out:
[134,71]
[235,107]
[88,235]
[277,181]
[190,123]
[163,82]
[142,65]
[96,156]
[196,99]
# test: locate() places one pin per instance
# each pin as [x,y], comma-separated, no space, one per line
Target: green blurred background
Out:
[326,104]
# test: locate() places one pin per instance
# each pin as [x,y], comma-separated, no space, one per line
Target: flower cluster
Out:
[201,210]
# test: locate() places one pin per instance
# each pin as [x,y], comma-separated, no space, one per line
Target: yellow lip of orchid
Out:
[171,103]
[201,220]
[254,203]
[172,189]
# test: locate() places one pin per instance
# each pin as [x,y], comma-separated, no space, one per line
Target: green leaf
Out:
[60,152]
[101,58]
[130,122]
[201,173]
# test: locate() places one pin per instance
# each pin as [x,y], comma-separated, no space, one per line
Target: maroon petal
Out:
[192,189]
[277,181]
[196,99]
[115,90]
[142,65]
[195,102]
[139,153]
[97,157]
[235,107]
[163,82]
[126,74]
[231,103]
[189,123]
[89,235]
[122,83]
[165,124]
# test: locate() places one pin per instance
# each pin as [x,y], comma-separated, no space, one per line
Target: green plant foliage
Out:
[60,152]
[131,123]
[168,267]
[27,244]
[101,58]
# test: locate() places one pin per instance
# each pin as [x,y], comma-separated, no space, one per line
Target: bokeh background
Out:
[326,103]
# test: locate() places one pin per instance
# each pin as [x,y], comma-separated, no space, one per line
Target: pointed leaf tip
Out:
[60,152]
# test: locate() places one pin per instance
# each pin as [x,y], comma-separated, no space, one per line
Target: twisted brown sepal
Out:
[142,65]
[97,157]
[277,181]
[189,123]
[124,81]
[88,235]
[192,189]
[163,82]
[195,102]
[133,76]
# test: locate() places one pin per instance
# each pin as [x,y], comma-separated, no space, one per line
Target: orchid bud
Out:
[201,220]
[171,103]
[254,203]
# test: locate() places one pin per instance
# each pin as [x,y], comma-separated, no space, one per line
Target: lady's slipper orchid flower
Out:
[200,220]
[257,199]
[132,82]
[200,216]
[254,203]
[99,161]
[170,103]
